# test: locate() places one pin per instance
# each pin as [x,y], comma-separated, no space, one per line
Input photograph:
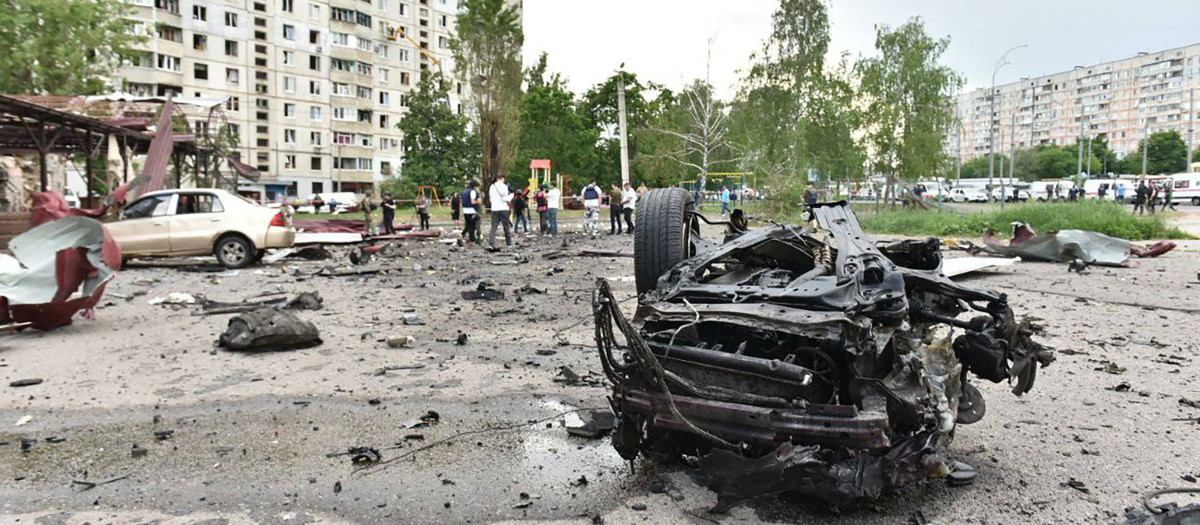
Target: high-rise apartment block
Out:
[313,89]
[1123,100]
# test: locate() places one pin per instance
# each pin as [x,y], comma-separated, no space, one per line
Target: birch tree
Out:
[704,133]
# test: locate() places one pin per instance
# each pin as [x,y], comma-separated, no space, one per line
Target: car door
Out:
[143,228]
[197,220]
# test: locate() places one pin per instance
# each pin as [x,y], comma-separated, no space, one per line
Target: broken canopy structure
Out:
[1070,246]
[58,268]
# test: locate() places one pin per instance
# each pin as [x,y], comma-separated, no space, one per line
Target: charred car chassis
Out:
[794,359]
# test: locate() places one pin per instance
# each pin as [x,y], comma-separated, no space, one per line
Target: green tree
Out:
[599,106]
[699,126]
[438,149]
[1166,153]
[487,57]
[910,102]
[63,47]
[553,126]
[837,154]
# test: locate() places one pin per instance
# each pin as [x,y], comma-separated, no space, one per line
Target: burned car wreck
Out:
[800,359]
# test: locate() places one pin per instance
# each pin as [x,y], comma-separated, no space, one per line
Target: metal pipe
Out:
[992,115]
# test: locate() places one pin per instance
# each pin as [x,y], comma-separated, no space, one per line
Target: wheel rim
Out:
[233,252]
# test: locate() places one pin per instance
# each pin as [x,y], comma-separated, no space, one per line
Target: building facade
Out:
[1123,101]
[313,89]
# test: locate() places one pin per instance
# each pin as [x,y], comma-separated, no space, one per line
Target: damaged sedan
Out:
[801,359]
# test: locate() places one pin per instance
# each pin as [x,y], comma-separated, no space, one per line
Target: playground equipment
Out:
[432,189]
[539,173]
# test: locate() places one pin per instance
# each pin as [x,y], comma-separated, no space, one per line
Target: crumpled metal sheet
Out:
[1071,245]
[57,269]
[267,329]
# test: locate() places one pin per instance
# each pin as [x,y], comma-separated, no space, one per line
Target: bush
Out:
[1103,217]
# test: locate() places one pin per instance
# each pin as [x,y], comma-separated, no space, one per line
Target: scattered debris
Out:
[305,301]
[137,451]
[1168,514]
[24,421]
[483,293]
[93,484]
[428,419]
[25,382]
[175,298]
[1194,403]
[461,339]
[1086,247]
[595,423]
[364,455]
[401,341]
[267,329]
[1077,485]
[163,435]
[957,266]
[412,320]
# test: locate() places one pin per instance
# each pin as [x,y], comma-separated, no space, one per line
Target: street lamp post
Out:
[992,115]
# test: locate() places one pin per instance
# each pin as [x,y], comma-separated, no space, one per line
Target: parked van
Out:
[1185,188]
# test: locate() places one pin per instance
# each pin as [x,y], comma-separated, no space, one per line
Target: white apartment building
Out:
[312,88]
[1123,100]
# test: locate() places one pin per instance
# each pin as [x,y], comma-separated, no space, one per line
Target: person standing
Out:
[724,201]
[520,208]
[629,200]
[423,210]
[471,206]
[1152,197]
[614,210]
[1119,191]
[389,213]
[591,196]
[1139,197]
[540,200]
[499,199]
[455,208]
[1168,191]
[810,195]
[553,202]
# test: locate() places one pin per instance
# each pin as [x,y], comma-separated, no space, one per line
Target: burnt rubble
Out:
[804,359]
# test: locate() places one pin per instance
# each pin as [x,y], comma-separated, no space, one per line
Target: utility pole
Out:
[1145,147]
[1012,161]
[1079,139]
[1191,124]
[992,115]
[621,125]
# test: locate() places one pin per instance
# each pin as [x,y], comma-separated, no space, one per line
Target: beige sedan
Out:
[184,222]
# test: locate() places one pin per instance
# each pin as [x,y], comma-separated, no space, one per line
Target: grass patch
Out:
[1103,217]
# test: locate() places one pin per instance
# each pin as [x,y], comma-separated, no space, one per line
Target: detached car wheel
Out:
[662,237]
[235,252]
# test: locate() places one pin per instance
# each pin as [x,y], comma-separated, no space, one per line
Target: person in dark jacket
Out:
[614,210]
[520,209]
[389,213]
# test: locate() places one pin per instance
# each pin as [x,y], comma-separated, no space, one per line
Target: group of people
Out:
[504,205]
[1148,195]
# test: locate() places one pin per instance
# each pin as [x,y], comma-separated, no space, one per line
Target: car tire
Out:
[662,237]
[1195,201]
[234,251]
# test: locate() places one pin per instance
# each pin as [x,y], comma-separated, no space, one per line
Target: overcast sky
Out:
[666,40]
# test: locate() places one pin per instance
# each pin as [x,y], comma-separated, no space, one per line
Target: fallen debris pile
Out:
[1079,247]
[801,360]
[267,329]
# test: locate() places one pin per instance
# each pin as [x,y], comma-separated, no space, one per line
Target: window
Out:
[341,64]
[315,138]
[232,76]
[315,164]
[381,50]
[364,92]
[383,5]
[314,113]
[200,71]
[314,87]
[403,9]
[384,97]
[340,14]
[404,78]
[289,58]
[168,5]
[343,139]
[231,48]
[402,55]
[364,68]
[342,90]
[339,39]
[365,140]
[443,42]
[365,164]
[314,63]
[314,36]
[199,42]
[142,59]
[289,84]
[289,32]
[289,136]
[314,11]
[289,110]
[155,206]
[362,19]
[365,44]
[200,13]
[198,203]
[340,113]
[174,34]
[442,20]
[384,74]
[383,121]
[289,162]
[232,103]
[288,6]
[230,19]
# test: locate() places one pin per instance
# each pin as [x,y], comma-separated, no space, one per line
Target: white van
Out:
[1185,188]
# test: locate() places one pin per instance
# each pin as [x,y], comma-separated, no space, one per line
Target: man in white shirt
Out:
[555,199]
[629,199]
[470,208]
[498,199]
